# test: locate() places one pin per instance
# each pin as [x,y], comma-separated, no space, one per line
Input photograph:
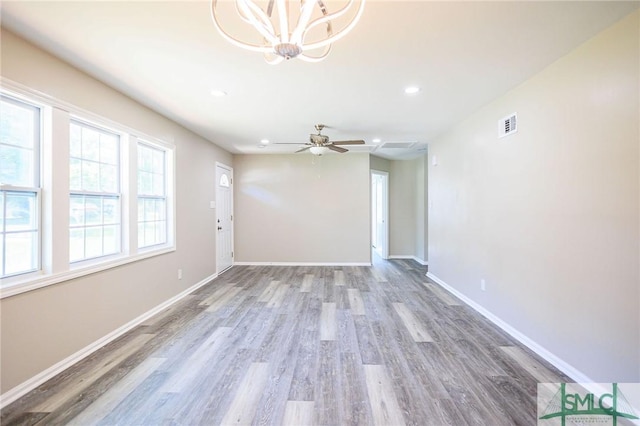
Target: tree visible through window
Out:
[19,187]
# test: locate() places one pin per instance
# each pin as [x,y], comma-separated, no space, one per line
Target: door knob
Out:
[219,228]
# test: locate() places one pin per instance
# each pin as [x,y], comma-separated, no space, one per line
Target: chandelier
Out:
[285,29]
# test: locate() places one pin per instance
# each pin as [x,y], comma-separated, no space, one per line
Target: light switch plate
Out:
[212,204]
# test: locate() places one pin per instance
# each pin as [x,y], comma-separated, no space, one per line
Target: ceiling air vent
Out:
[507,125]
[397,145]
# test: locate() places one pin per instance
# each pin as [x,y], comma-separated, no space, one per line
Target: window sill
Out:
[33,282]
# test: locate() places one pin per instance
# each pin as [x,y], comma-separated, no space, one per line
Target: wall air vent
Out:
[507,125]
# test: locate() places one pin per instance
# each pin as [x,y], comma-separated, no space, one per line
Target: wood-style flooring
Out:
[272,345]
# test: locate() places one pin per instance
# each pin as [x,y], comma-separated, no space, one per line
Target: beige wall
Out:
[300,208]
[42,327]
[549,216]
[380,164]
[422,230]
[407,205]
[407,214]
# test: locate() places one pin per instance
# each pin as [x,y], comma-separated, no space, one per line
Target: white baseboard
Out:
[32,383]
[302,263]
[554,360]
[417,259]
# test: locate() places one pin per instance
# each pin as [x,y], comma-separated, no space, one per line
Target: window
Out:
[19,187]
[152,195]
[94,182]
[116,206]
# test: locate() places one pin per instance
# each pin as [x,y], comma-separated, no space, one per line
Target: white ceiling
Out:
[167,55]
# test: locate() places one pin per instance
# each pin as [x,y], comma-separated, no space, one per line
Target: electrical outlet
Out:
[179,274]
[483,285]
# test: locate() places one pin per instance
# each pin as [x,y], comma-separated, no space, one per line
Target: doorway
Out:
[224,216]
[380,213]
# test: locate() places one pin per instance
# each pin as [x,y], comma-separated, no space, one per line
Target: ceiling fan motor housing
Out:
[318,139]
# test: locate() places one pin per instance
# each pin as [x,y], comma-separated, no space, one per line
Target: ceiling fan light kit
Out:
[318,150]
[289,29]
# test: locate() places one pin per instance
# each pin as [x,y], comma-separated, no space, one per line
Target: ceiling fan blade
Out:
[359,142]
[303,149]
[336,148]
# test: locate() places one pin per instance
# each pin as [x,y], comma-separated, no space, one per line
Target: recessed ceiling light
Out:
[218,93]
[264,141]
[376,140]
[411,90]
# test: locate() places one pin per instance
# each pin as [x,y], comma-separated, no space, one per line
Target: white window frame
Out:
[17,99]
[163,197]
[100,194]
[54,194]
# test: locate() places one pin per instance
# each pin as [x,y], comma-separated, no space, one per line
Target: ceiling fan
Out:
[319,144]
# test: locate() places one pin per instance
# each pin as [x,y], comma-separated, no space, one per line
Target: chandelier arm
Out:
[303,20]
[270,8]
[283,9]
[263,25]
[308,58]
[338,35]
[329,16]
[233,40]
[266,23]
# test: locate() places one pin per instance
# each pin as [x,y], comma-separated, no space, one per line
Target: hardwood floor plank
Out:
[268,292]
[282,357]
[328,386]
[81,382]
[384,405]
[298,413]
[346,333]
[368,348]
[307,283]
[244,405]
[416,328]
[355,302]
[541,373]
[102,406]
[443,294]
[224,299]
[217,294]
[306,371]
[354,389]
[338,278]
[212,399]
[328,322]
[278,296]
[190,369]
[167,312]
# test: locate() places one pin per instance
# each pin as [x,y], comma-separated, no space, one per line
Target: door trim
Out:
[385,210]
[230,170]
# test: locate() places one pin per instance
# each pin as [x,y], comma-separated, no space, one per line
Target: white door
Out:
[380,213]
[224,214]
